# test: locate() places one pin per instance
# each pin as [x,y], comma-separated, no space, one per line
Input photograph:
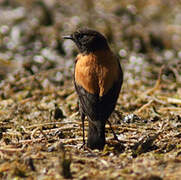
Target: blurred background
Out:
[144,34]
[38,103]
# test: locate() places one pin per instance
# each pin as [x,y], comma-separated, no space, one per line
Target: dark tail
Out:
[96,135]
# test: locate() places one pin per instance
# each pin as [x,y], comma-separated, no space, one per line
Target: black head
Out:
[88,40]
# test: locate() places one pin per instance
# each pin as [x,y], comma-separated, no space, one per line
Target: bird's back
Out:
[98,79]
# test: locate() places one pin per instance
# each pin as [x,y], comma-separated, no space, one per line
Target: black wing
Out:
[96,107]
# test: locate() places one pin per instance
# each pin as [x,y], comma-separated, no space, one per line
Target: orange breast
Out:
[97,71]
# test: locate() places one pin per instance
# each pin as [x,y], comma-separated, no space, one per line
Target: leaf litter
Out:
[40,127]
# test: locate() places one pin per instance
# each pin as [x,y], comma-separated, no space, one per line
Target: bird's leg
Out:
[115,136]
[82,115]
[83,129]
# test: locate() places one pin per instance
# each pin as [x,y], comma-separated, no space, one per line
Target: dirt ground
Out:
[40,127]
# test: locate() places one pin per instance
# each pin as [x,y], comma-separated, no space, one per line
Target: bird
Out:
[98,79]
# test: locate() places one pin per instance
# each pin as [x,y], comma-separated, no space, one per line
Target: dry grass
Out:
[40,127]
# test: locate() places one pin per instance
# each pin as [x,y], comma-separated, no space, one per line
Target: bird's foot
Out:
[82,146]
[85,148]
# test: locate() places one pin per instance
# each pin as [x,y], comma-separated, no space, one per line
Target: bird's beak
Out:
[68,37]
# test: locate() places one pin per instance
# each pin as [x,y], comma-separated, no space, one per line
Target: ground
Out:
[40,127]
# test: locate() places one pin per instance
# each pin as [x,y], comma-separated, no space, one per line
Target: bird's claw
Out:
[82,146]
